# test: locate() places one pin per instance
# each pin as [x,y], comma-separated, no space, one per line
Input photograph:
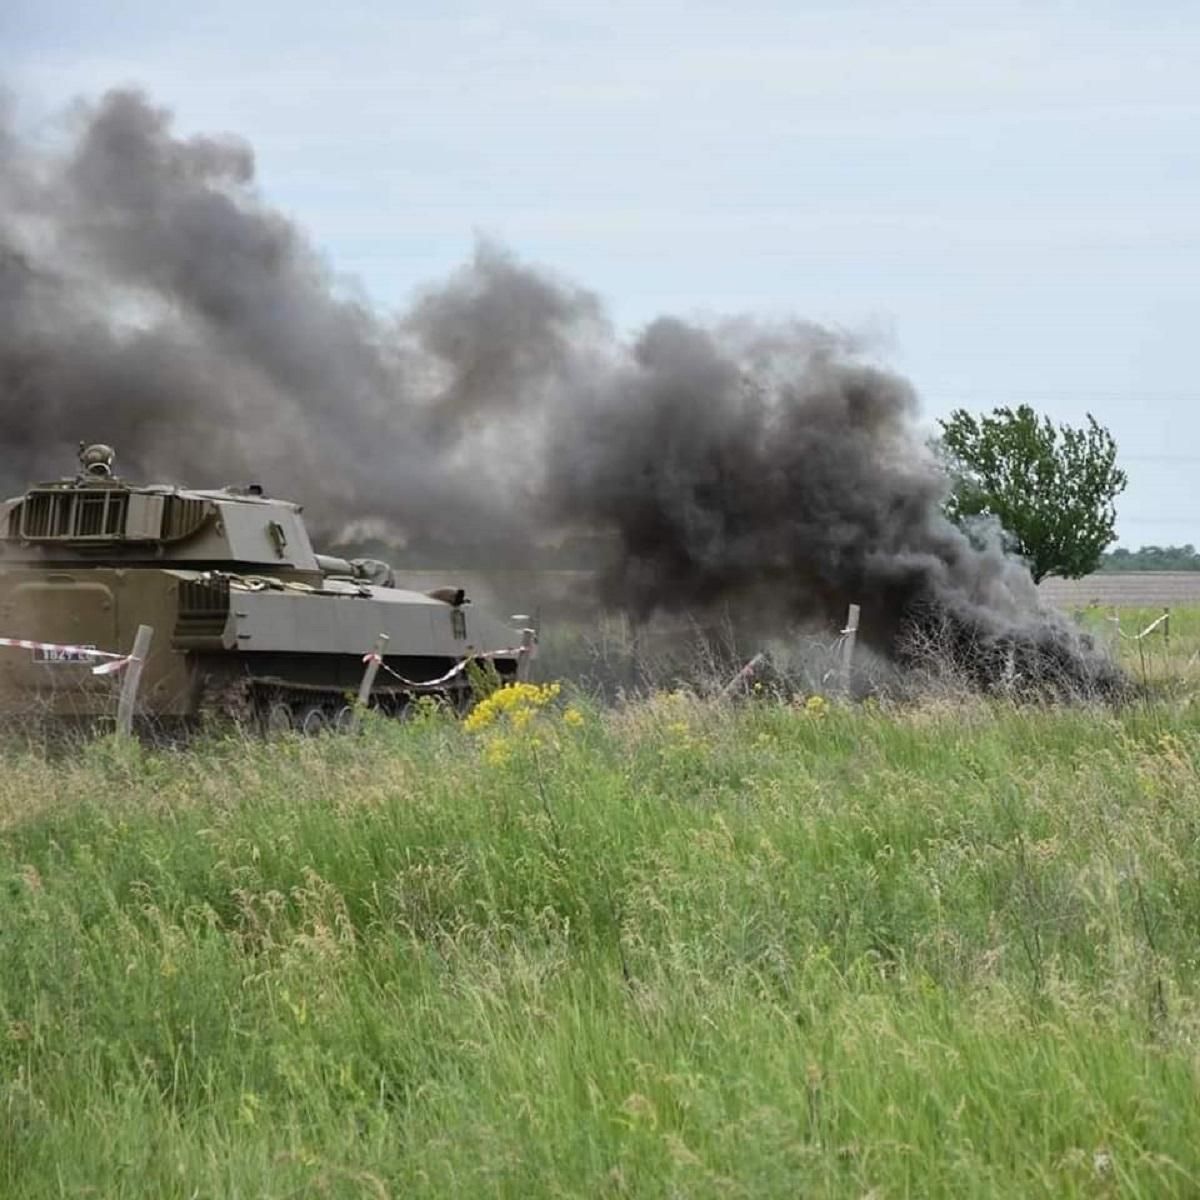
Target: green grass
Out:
[678,950]
[1168,655]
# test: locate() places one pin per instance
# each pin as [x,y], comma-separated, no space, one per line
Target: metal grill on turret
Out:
[182,516]
[43,516]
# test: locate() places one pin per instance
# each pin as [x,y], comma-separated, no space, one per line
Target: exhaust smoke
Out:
[151,299]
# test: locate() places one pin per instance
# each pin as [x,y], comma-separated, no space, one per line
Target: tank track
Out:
[260,704]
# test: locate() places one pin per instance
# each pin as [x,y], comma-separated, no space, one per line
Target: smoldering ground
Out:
[151,298]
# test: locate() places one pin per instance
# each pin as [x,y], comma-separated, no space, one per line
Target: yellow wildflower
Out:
[509,701]
[573,717]
[816,706]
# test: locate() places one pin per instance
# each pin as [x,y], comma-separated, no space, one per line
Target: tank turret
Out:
[97,514]
[248,618]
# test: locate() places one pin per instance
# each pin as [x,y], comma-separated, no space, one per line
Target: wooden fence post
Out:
[849,636]
[525,658]
[1167,626]
[374,661]
[132,678]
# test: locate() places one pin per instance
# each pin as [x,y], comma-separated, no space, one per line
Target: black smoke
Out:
[150,298]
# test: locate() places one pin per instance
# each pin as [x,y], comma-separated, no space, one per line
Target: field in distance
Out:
[672,948]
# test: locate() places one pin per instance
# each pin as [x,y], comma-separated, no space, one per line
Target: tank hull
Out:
[226,644]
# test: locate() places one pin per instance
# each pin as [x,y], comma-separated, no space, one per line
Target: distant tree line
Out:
[1151,558]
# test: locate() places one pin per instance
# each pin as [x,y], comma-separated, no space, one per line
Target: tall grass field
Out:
[671,948]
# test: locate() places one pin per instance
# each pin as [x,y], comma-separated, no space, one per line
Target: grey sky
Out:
[1006,195]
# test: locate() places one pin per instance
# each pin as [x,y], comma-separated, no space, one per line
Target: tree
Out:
[1051,489]
[1152,558]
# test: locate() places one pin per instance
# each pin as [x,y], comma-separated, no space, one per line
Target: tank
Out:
[248,621]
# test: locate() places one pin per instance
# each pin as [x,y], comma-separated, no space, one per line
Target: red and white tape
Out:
[111,668]
[117,661]
[1137,637]
[458,667]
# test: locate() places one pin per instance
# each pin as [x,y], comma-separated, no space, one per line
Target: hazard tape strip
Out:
[91,651]
[457,669]
[111,668]
[1137,637]
[117,662]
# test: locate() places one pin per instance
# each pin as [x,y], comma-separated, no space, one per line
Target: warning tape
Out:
[111,668]
[118,662]
[1137,637]
[91,651]
[457,669]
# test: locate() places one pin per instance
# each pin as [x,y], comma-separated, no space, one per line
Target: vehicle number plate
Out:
[74,656]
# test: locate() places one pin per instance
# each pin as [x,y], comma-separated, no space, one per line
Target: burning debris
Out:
[149,295]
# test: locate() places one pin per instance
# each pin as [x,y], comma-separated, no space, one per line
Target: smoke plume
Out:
[150,298]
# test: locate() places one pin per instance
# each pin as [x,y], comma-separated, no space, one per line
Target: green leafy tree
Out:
[1051,488]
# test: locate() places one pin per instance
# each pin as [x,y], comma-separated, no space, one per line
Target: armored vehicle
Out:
[248,621]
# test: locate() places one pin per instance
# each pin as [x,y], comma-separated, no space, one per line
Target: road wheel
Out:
[277,720]
[345,720]
[312,720]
